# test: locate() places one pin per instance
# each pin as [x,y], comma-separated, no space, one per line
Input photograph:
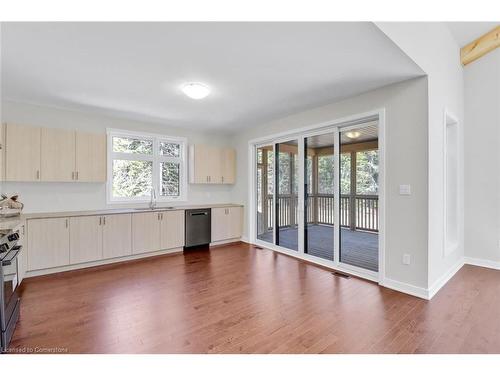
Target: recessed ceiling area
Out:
[256,72]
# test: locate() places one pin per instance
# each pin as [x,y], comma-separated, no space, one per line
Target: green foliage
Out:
[132,178]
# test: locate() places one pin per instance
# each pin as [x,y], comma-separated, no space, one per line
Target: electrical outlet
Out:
[407,259]
[404,190]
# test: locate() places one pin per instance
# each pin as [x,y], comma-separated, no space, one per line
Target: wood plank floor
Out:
[237,299]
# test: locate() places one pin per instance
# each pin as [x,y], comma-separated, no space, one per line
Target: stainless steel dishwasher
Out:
[198,227]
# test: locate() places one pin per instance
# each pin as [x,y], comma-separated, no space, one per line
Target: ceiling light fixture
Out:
[352,135]
[195,90]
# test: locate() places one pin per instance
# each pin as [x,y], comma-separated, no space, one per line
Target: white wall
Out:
[406,163]
[482,158]
[48,196]
[433,48]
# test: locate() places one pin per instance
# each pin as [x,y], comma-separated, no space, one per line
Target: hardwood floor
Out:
[237,299]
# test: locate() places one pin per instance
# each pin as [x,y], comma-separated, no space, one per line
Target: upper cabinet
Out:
[22,153]
[90,157]
[54,155]
[211,165]
[58,155]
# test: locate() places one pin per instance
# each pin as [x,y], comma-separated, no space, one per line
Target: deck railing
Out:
[356,212]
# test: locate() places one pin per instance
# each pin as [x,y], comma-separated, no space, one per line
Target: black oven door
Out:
[9,295]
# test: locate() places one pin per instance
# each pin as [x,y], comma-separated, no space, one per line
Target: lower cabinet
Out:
[152,231]
[85,236]
[116,235]
[48,243]
[226,223]
[172,229]
[145,232]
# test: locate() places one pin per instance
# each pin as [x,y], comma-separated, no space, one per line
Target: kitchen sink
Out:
[154,209]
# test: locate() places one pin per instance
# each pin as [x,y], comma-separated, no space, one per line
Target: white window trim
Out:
[156,158]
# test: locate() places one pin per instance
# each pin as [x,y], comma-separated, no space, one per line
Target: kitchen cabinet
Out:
[90,159]
[22,153]
[153,231]
[48,243]
[85,239]
[116,235]
[228,166]
[211,165]
[171,229]
[22,258]
[226,223]
[145,232]
[57,155]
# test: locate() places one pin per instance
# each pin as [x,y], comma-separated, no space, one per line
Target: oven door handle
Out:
[11,255]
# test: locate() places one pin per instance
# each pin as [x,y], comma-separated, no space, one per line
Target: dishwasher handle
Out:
[198,213]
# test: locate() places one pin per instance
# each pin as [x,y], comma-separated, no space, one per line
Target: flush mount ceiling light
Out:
[352,135]
[195,90]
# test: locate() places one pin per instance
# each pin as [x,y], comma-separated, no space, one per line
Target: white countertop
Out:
[116,211]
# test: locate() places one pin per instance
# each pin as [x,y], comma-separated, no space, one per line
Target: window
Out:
[140,163]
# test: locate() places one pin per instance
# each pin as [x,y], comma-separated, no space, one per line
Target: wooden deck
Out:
[357,248]
[238,299]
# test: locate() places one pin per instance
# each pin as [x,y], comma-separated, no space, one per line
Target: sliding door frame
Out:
[300,134]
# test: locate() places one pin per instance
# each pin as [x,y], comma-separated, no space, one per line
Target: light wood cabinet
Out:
[145,232]
[48,243]
[22,259]
[90,161]
[116,235]
[85,239]
[211,165]
[226,223]
[22,153]
[228,166]
[171,229]
[57,155]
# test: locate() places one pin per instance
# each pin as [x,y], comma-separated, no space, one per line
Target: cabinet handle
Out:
[66,223]
[100,220]
[77,175]
[38,174]
[72,175]
[222,179]
[104,220]
[23,230]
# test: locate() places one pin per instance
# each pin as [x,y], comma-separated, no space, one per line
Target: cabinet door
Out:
[228,166]
[58,155]
[90,157]
[22,153]
[220,224]
[145,232]
[172,229]
[235,222]
[116,235]
[85,239]
[48,243]
[22,258]
[216,169]
[200,164]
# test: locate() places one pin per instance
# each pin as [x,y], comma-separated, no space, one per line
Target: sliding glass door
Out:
[317,195]
[319,172]
[287,195]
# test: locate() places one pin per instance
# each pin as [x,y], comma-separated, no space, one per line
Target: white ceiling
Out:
[466,32]
[257,71]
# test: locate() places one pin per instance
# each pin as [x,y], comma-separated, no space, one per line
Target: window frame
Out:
[156,158]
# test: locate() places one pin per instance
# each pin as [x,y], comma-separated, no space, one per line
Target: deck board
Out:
[357,248]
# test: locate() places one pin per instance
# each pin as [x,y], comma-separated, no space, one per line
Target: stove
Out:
[9,298]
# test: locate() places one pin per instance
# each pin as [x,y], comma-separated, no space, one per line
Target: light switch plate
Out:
[406,259]
[404,190]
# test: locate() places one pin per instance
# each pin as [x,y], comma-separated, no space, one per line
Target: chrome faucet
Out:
[152,202]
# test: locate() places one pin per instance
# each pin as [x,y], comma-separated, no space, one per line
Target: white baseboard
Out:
[439,283]
[482,263]
[413,290]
